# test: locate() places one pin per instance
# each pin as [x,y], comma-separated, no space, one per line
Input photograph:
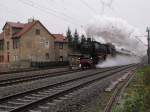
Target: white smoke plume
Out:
[118,60]
[118,32]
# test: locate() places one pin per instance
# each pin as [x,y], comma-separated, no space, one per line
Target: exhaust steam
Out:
[118,32]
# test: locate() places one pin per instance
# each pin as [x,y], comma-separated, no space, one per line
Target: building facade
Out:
[61,47]
[26,42]
[1,48]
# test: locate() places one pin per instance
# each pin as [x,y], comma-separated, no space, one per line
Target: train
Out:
[93,52]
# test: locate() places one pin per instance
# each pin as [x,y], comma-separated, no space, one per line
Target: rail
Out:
[54,91]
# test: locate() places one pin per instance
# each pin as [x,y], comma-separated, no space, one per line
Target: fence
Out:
[49,64]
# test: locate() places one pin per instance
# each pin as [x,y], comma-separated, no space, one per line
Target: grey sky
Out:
[57,15]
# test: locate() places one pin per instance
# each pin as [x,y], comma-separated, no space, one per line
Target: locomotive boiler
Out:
[94,52]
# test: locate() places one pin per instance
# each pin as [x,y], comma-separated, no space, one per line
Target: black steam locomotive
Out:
[94,52]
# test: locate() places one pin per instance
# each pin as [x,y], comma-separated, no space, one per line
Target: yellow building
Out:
[26,42]
[61,48]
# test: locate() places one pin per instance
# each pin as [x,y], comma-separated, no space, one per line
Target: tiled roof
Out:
[2,36]
[60,38]
[16,24]
[23,26]
[25,29]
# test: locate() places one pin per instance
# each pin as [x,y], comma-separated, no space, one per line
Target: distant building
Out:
[28,42]
[61,48]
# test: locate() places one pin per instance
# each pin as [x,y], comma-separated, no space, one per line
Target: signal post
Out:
[148,50]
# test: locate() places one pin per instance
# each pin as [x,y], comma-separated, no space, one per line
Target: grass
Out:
[136,97]
[103,102]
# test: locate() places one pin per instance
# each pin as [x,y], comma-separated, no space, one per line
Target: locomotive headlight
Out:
[79,65]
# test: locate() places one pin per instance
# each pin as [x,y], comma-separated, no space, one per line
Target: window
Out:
[7,45]
[1,58]
[37,32]
[47,56]
[61,58]
[47,44]
[8,57]
[7,31]
[15,58]
[60,45]
[1,45]
[16,43]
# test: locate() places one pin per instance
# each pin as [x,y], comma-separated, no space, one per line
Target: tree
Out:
[76,37]
[83,39]
[75,40]
[69,37]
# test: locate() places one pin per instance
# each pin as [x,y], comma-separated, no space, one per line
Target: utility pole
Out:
[148,50]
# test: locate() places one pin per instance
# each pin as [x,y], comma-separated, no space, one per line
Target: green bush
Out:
[137,94]
[146,82]
[146,78]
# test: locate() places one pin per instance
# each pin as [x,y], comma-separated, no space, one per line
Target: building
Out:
[61,48]
[25,42]
[1,47]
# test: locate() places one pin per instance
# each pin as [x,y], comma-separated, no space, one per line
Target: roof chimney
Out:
[30,20]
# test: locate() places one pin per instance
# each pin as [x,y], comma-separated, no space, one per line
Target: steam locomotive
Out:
[94,52]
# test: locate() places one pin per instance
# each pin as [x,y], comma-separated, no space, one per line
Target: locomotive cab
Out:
[86,63]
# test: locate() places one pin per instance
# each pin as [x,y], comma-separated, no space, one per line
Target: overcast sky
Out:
[57,15]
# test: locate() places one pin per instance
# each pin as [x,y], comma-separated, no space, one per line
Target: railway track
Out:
[17,80]
[27,70]
[23,102]
[118,91]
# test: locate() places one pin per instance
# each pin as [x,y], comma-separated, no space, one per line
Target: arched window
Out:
[61,58]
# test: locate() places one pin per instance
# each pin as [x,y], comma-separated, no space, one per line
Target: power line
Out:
[60,13]
[106,4]
[32,4]
[67,10]
[140,39]
[11,11]
[88,6]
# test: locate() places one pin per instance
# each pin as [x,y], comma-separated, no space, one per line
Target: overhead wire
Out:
[12,11]
[15,12]
[38,7]
[66,8]
[59,12]
[55,13]
[88,6]
[106,4]
[140,40]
